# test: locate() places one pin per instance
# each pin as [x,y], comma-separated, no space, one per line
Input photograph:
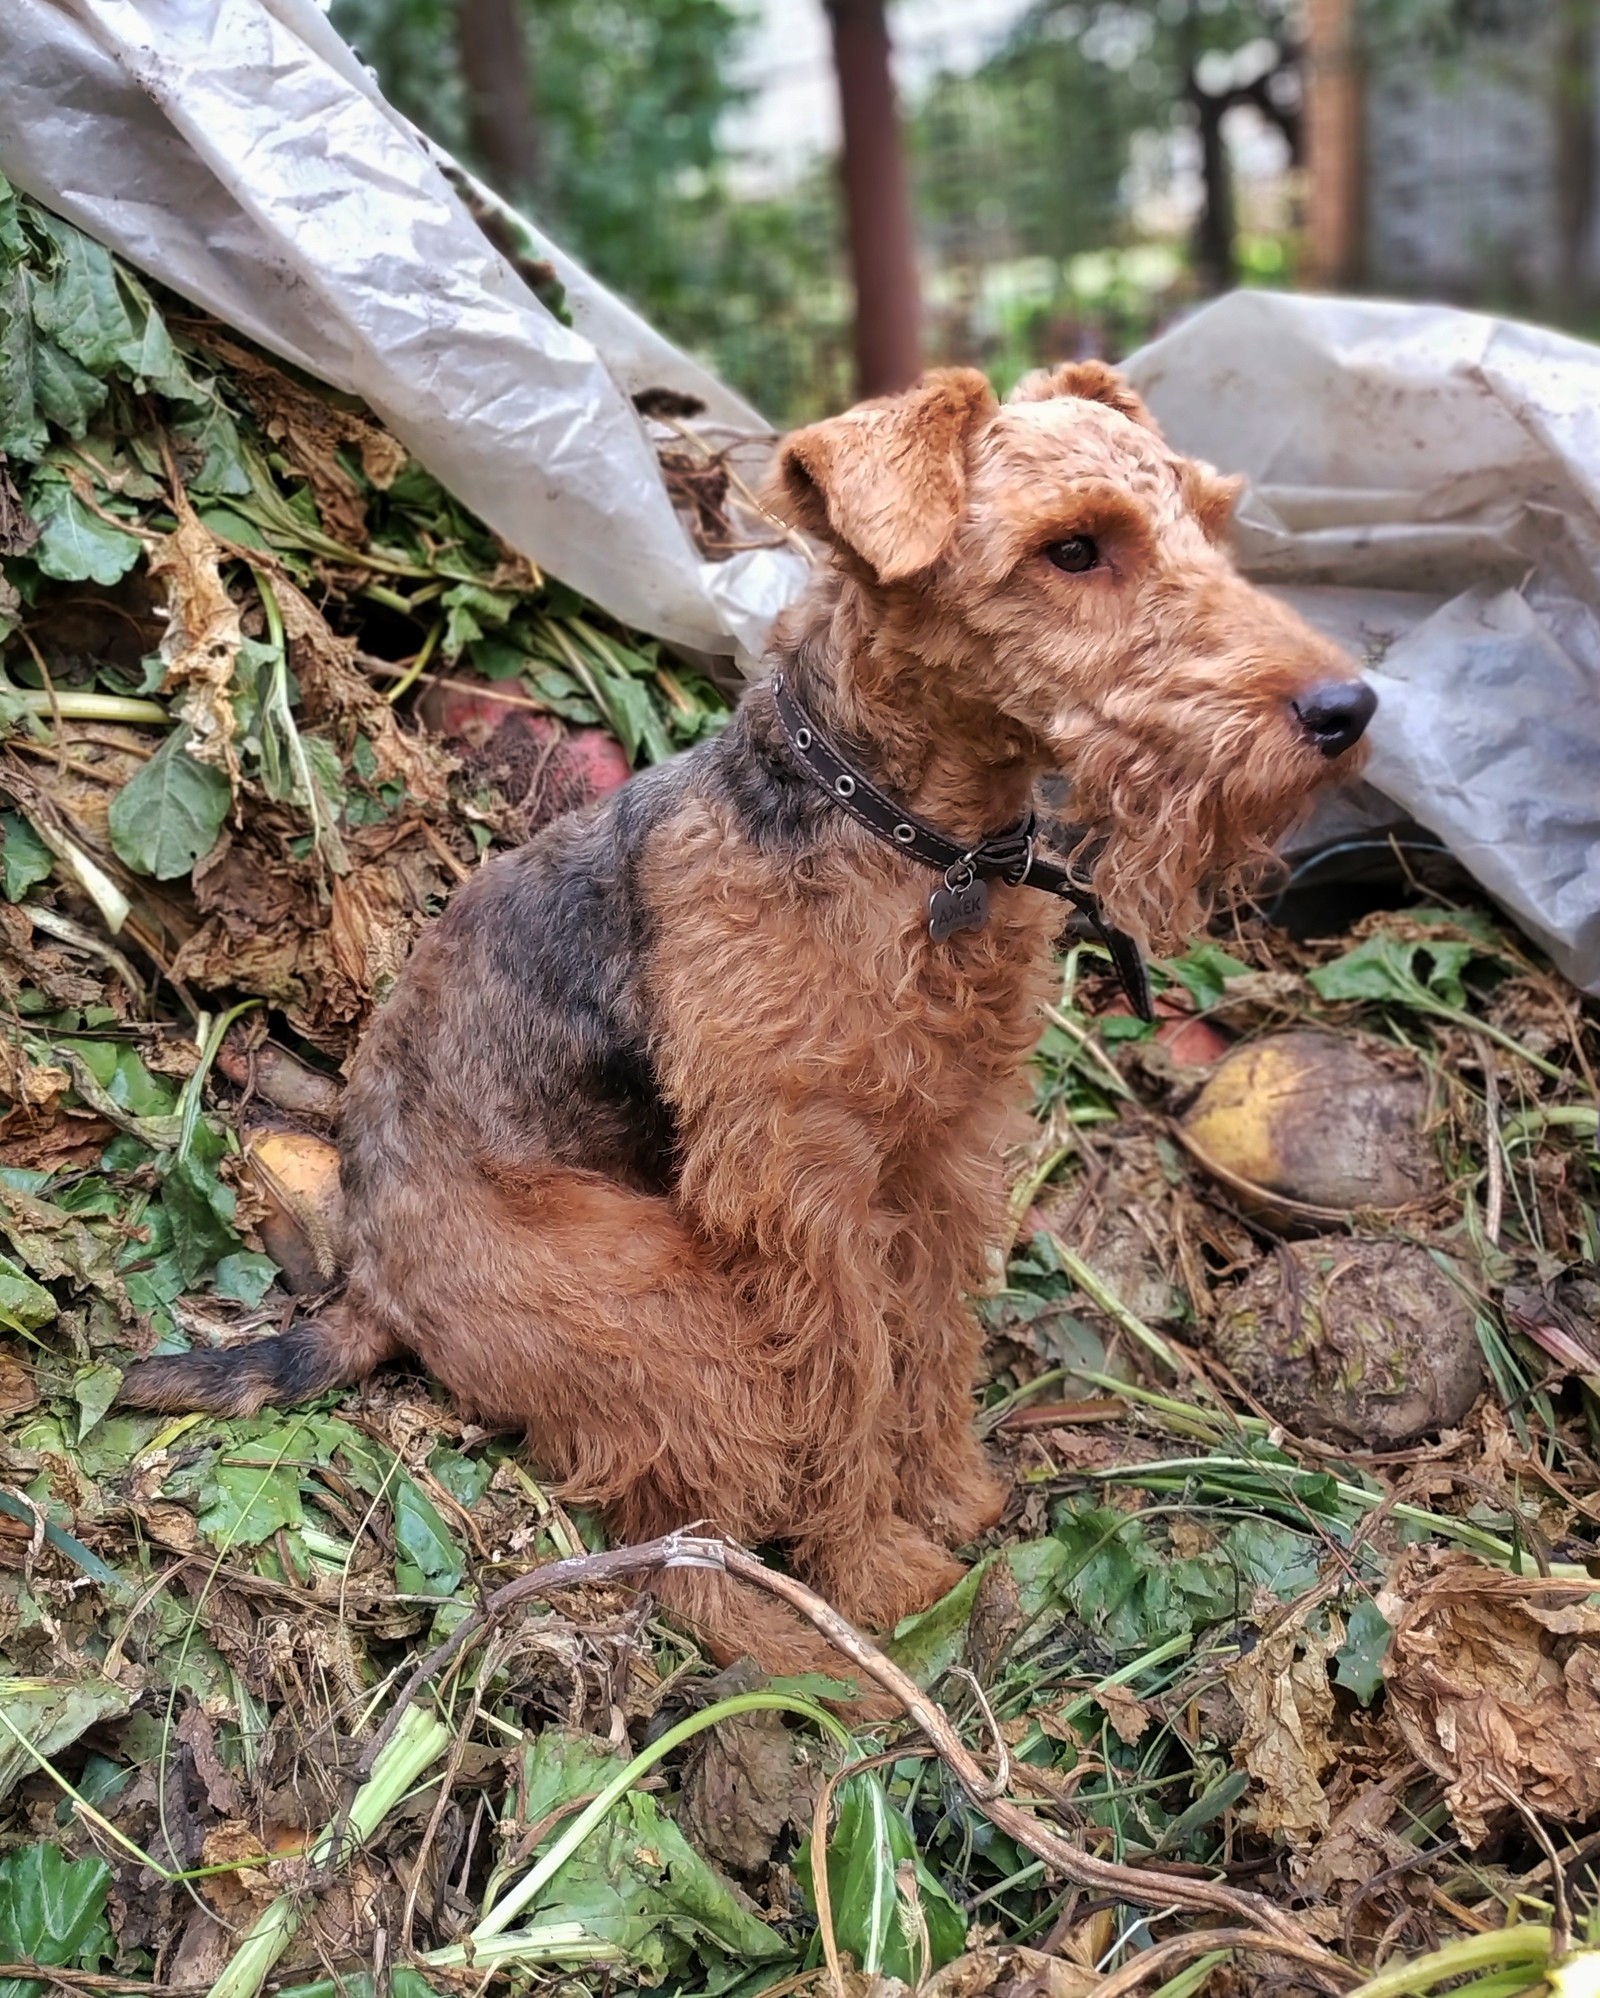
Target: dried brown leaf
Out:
[17,1390]
[1283,1689]
[1129,1717]
[198,1734]
[1494,1682]
[203,636]
[751,1780]
[1358,1845]
[1011,1973]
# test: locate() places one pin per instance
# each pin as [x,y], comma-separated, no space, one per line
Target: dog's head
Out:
[1052,564]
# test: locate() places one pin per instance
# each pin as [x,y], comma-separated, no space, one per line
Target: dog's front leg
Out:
[785,1191]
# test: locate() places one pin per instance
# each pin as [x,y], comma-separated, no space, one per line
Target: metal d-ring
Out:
[960,875]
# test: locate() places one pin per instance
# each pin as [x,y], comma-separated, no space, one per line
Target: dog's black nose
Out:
[1335,715]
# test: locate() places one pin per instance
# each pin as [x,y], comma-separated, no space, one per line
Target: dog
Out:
[679,1140]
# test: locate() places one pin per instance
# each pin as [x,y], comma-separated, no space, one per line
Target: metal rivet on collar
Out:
[802,738]
[904,833]
[844,787]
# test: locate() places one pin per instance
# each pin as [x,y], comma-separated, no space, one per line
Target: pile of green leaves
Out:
[105,395]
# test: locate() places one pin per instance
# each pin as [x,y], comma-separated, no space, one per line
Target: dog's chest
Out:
[929,1027]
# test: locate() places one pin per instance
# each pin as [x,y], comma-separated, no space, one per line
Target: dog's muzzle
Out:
[1335,714]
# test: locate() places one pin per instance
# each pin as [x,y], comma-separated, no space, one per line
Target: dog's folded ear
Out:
[886,480]
[1094,381]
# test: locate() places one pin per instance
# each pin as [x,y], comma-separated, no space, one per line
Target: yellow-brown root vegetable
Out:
[298,1176]
[1318,1121]
[1358,1342]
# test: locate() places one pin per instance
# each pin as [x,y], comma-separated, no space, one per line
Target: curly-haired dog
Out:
[679,1141]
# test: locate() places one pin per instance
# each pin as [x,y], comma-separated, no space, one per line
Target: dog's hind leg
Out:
[590,1315]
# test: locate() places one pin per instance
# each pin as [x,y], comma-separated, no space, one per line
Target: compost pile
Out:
[1295,1364]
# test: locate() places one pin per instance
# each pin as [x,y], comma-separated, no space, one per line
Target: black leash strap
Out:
[962,902]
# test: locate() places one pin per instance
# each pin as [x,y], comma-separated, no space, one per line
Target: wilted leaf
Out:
[170,815]
[1359,1660]
[76,544]
[245,1277]
[1282,1686]
[870,1843]
[26,860]
[94,1389]
[751,1781]
[636,1881]
[250,1491]
[201,1210]
[24,1305]
[1204,971]
[927,1645]
[50,1714]
[428,1562]
[1494,1681]
[52,1910]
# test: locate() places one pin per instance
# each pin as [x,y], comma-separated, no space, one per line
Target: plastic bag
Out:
[1425,485]
[237,151]
[1425,482]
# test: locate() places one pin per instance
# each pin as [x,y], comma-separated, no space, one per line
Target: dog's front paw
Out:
[898,1573]
[955,1499]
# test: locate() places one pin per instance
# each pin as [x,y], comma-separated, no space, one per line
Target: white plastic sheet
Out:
[1425,484]
[236,150]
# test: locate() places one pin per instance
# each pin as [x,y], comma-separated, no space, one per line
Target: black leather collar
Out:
[1009,856]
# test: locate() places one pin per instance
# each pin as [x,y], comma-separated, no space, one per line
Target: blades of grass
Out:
[1181,1472]
[1097,1291]
[189,1102]
[1523,1943]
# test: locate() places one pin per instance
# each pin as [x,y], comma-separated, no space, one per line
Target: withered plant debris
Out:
[267,694]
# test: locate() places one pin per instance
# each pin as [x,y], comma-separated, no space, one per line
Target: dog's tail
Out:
[330,1351]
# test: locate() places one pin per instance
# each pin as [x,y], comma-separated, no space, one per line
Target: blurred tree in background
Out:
[1074,185]
[621,163]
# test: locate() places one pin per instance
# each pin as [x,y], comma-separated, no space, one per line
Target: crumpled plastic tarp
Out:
[1425,486]
[1424,482]
[238,151]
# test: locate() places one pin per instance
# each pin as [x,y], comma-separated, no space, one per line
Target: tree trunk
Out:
[877,192]
[1213,241]
[501,125]
[1575,153]
[1334,144]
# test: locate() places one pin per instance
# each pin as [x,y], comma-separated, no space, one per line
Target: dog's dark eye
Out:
[1076,554]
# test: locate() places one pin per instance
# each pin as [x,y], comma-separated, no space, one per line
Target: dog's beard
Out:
[1162,855]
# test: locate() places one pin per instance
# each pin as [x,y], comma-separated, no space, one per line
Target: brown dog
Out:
[679,1141]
